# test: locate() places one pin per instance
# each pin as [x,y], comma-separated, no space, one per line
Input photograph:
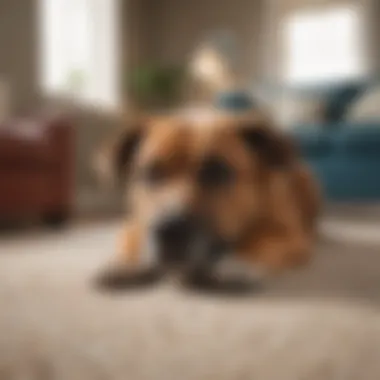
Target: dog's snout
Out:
[173,237]
[175,231]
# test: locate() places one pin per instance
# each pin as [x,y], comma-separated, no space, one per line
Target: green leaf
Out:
[155,84]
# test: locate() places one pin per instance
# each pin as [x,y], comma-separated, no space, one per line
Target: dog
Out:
[212,196]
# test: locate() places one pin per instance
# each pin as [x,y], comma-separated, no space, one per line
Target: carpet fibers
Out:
[320,323]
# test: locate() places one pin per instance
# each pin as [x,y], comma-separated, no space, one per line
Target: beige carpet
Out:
[320,323]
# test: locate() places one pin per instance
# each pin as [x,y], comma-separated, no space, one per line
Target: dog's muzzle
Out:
[173,235]
[183,239]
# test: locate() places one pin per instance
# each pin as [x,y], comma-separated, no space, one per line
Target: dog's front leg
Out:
[135,262]
[216,266]
[229,273]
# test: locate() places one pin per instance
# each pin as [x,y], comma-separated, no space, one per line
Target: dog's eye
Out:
[153,174]
[214,172]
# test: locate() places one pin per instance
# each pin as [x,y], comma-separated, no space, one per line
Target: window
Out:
[323,45]
[79,50]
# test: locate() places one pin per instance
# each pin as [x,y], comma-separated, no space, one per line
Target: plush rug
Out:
[320,323]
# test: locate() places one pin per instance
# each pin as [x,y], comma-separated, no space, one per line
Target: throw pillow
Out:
[338,100]
[367,107]
[296,109]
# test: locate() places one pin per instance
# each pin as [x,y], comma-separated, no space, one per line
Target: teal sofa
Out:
[345,159]
[344,155]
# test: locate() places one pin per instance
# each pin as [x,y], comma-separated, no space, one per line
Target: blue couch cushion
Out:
[361,140]
[312,141]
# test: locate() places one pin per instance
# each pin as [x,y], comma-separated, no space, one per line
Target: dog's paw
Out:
[229,276]
[123,277]
[232,269]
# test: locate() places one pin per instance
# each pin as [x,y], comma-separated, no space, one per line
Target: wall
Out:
[177,26]
[180,25]
[373,13]
[166,30]
[18,51]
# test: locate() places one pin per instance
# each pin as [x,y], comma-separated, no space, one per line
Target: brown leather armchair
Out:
[36,169]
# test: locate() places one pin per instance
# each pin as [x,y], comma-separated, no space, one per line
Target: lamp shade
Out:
[216,64]
[214,61]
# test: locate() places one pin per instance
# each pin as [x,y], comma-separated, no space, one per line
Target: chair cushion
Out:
[27,142]
[23,152]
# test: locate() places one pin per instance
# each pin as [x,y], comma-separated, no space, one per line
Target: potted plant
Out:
[155,87]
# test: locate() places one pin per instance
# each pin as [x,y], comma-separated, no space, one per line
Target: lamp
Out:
[215,65]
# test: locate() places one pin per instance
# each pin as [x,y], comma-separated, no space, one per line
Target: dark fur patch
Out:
[272,147]
[128,147]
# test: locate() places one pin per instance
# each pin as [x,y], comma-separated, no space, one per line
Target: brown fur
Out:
[270,211]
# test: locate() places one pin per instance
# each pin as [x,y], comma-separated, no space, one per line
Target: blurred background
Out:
[91,64]
[73,71]
[313,64]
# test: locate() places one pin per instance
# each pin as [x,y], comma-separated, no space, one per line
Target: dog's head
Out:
[185,176]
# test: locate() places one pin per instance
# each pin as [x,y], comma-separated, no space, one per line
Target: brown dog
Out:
[198,189]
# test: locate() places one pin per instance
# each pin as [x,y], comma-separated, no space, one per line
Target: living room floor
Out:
[347,258]
[55,324]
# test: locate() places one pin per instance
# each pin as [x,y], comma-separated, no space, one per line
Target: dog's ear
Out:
[113,161]
[126,150]
[270,145]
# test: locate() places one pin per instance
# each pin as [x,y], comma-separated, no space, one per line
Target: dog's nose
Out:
[173,235]
[174,230]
